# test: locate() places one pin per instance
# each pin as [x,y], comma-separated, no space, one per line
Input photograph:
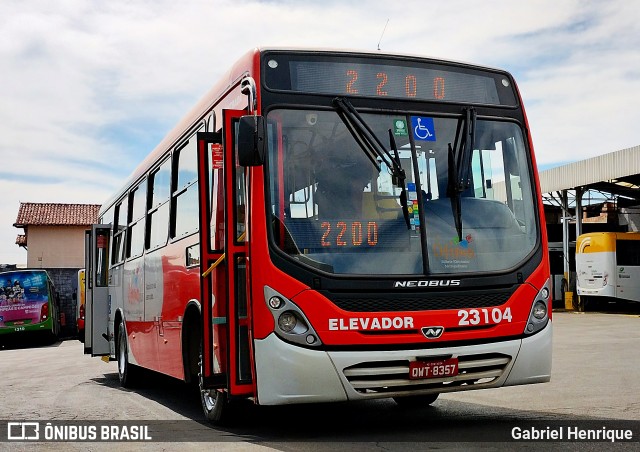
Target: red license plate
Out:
[421,370]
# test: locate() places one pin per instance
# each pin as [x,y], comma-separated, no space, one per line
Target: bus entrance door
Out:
[96,330]
[225,329]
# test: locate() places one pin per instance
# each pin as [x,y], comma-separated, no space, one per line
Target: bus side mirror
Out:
[252,140]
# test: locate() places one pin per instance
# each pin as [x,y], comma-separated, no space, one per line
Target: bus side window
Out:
[119,228]
[135,237]
[108,218]
[102,257]
[217,204]
[627,252]
[158,214]
[184,194]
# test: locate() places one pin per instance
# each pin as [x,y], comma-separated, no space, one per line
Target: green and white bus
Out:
[28,305]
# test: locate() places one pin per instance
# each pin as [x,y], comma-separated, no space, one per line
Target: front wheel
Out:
[214,401]
[416,401]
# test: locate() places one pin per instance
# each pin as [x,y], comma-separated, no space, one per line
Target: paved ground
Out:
[596,376]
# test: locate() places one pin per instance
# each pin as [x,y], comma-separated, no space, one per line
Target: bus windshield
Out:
[338,208]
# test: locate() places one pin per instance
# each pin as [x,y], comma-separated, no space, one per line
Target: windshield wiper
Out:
[460,155]
[400,181]
[373,148]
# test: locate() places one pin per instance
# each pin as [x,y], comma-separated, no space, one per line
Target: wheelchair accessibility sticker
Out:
[423,128]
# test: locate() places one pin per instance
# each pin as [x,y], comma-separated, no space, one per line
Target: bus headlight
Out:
[290,322]
[287,321]
[539,310]
[539,315]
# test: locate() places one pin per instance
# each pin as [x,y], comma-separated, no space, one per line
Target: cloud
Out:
[89,88]
[583,85]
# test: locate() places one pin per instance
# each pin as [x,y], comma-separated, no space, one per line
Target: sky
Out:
[89,87]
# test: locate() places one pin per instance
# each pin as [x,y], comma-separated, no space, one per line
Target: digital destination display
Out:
[373,77]
[348,235]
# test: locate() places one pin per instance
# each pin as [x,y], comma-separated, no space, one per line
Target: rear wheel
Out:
[416,401]
[127,372]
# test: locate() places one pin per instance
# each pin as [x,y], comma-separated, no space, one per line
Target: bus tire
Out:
[127,372]
[417,401]
[214,401]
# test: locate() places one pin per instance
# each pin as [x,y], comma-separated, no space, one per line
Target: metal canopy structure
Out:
[615,176]
[614,171]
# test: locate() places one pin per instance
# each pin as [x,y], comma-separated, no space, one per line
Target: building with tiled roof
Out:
[54,239]
[34,213]
[54,233]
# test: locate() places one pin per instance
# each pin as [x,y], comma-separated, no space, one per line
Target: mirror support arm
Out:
[248,87]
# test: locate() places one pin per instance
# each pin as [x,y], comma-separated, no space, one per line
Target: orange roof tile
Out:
[32,213]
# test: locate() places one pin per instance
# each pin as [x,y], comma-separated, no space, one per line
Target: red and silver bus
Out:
[327,226]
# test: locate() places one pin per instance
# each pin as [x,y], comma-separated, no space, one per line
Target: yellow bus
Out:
[80,305]
[608,265]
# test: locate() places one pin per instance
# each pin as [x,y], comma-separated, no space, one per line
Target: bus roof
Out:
[247,64]
[617,235]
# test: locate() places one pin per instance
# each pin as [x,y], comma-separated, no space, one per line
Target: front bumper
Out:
[288,373]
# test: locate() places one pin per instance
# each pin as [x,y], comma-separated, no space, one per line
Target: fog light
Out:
[540,310]
[276,302]
[287,321]
[311,339]
[545,293]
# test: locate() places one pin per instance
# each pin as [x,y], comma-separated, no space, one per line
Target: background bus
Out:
[608,266]
[330,226]
[28,305]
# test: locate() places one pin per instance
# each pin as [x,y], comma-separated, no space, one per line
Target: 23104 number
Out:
[483,316]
